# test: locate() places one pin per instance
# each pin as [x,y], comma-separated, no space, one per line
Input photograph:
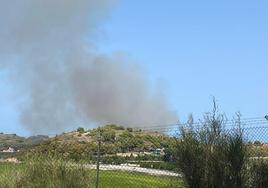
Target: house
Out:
[9,150]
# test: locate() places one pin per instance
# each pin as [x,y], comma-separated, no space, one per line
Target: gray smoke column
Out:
[48,48]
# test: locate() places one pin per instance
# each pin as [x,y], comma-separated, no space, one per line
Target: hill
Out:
[18,142]
[10,144]
[115,140]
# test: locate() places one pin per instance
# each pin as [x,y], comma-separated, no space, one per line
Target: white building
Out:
[9,150]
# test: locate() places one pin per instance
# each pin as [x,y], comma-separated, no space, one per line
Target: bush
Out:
[116,160]
[81,130]
[130,129]
[190,159]
[115,127]
[108,136]
[157,165]
[211,156]
[259,174]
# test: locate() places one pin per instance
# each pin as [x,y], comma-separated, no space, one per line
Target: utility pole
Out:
[98,157]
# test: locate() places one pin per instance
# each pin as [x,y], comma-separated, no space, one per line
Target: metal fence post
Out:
[98,158]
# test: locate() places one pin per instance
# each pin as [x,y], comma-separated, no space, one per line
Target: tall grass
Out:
[46,172]
[259,174]
[9,174]
[210,156]
[59,174]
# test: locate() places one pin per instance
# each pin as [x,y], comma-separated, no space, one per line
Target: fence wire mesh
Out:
[135,169]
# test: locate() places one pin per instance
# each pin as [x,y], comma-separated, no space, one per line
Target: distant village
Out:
[9,150]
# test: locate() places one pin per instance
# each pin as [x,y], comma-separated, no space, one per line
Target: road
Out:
[129,168]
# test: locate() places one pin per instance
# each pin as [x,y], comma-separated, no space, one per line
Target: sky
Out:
[195,50]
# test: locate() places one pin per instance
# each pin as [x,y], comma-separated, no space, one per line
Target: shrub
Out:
[211,156]
[115,127]
[157,165]
[190,159]
[108,136]
[130,129]
[80,130]
[259,174]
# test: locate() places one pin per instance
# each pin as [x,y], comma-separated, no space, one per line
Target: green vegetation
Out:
[81,144]
[117,179]
[161,165]
[207,156]
[44,173]
[17,142]
[259,174]
[80,130]
[258,150]
[211,156]
[52,173]
[79,147]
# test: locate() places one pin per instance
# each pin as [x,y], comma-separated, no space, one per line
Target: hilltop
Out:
[115,139]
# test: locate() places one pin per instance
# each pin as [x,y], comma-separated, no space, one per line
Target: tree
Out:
[80,130]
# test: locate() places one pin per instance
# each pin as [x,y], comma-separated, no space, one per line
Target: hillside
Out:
[115,139]
[18,142]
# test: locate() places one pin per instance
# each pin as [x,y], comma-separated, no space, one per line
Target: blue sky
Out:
[198,49]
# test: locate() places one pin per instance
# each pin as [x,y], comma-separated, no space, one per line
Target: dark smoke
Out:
[48,48]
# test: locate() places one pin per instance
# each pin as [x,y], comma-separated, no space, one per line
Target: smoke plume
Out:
[49,49]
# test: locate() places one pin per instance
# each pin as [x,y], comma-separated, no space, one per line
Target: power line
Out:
[226,122]
[167,128]
[243,123]
[246,125]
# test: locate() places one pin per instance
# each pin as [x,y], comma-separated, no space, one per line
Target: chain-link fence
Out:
[136,172]
[219,153]
[60,174]
[133,172]
[156,173]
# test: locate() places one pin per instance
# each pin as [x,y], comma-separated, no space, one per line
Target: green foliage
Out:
[128,142]
[210,156]
[19,143]
[109,149]
[73,151]
[108,135]
[115,127]
[259,174]
[106,128]
[81,130]
[116,160]
[12,176]
[114,139]
[258,151]
[158,165]
[129,129]
[190,157]
[48,173]
[149,158]
[109,179]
